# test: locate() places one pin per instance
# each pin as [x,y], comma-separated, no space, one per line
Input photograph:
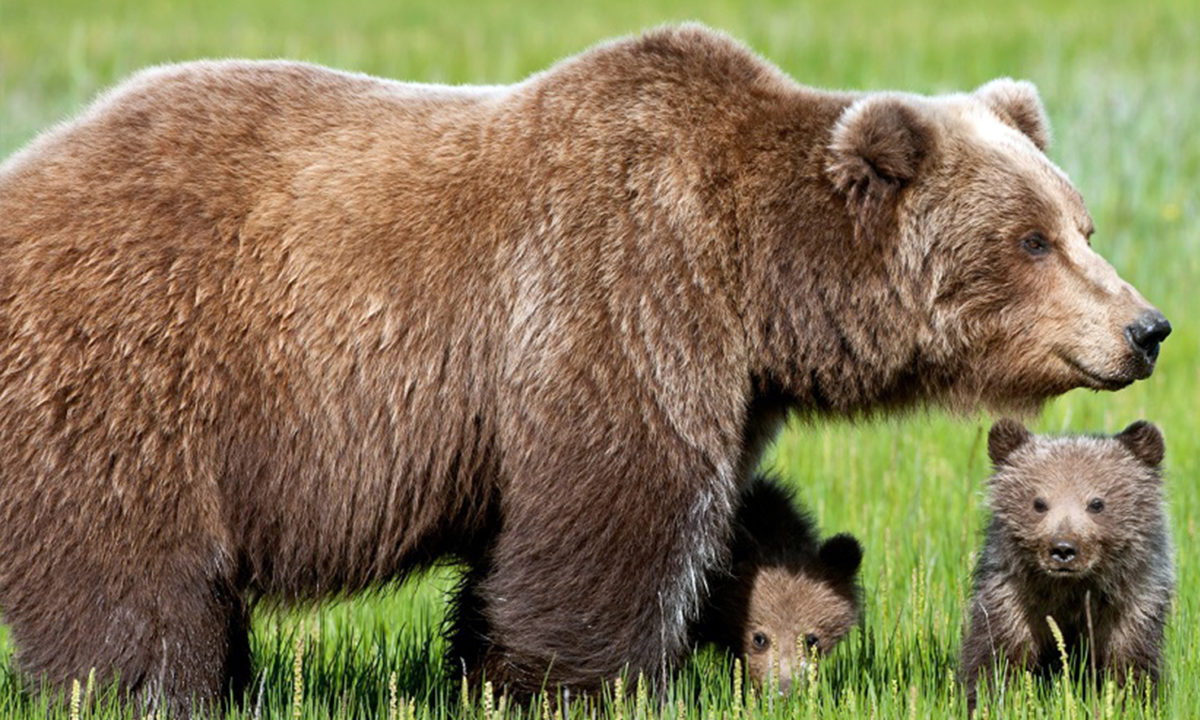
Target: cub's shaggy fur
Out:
[1079,528]
[788,597]
[269,329]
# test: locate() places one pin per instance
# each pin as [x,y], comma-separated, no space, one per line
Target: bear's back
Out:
[327,284]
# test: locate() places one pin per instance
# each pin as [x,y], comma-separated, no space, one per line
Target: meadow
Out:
[1121,83]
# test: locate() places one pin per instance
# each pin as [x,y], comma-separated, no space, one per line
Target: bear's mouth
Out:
[1095,380]
[1061,572]
[1079,570]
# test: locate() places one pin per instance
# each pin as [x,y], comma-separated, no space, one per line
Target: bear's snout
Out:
[1062,553]
[1146,333]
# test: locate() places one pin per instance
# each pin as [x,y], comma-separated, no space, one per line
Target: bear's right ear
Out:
[840,555]
[1145,441]
[878,145]
[1004,437]
[1016,103]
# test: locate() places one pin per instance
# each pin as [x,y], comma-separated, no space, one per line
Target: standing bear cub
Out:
[1078,533]
[787,598]
[270,329]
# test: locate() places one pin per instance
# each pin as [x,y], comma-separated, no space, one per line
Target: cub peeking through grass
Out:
[788,598]
[1078,533]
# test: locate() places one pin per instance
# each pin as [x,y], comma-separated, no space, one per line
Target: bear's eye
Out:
[1039,505]
[1035,244]
[1096,505]
[760,641]
[811,641]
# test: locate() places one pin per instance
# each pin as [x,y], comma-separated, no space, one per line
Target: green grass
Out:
[1121,83]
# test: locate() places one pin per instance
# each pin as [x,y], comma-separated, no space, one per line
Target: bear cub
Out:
[1078,533]
[787,597]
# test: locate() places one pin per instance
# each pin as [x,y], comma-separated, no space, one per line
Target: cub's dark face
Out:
[796,616]
[1075,505]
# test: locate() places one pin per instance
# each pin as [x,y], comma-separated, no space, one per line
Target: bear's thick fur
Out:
[787,597]
[268,329]
[1079,533]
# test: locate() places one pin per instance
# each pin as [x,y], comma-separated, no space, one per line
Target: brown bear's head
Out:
[796,614]
[988,246]
[1074,507]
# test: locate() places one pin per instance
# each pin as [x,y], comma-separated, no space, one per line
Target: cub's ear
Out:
[1145,441]
[877,148]
[840,555]
[1004,437]
[1016,102]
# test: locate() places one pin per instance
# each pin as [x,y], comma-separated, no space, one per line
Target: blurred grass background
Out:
[1121,82]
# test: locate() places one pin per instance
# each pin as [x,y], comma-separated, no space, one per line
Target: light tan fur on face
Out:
[1065,477]
[1067,327]
[1086,305]
[787,608]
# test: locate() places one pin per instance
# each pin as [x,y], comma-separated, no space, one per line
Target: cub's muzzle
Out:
[1062,552]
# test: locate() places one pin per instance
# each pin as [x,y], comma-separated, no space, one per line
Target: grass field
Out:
[1121,82]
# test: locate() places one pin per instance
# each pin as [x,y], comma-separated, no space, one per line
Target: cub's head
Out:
[1077,506]
[989,245]
[788,597]
[796,614]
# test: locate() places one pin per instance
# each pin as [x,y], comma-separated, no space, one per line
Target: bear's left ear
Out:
[1005,436]
[840,555]
[877,148]
[1145,441]
[1016,103]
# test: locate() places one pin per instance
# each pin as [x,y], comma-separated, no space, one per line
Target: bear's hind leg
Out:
[172,643]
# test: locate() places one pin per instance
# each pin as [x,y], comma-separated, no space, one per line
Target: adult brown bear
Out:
[267,329]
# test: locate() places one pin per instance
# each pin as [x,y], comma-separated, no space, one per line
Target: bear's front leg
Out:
[598,569]
[998,634]
[1133,649]
[199,658]
[470,650]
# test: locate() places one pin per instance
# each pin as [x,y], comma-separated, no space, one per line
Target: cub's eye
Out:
[760,641]
[811,641]
[1096,505]
[1035,244]
[1039,505]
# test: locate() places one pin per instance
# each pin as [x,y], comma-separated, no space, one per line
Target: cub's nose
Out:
[1062,551]
[1145,333]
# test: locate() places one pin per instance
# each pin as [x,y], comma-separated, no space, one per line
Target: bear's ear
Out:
[840,555]
[877,148]
[1017,104]
[1145,441]
[1004,437]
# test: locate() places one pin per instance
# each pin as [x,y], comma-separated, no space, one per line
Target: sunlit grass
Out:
[1121,82]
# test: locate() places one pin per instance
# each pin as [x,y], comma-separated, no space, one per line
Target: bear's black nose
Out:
[1062,551]
[1147,332]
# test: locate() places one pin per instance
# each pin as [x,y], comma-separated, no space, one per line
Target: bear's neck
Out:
[833,322]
